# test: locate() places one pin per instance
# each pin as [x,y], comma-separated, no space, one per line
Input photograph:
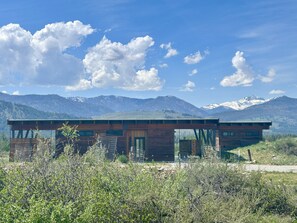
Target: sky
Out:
[201,51]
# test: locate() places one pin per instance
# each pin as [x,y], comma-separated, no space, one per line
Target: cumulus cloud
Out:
[193,72]
[243,76]
[145,80]
[189,86]
[113,64]
[170,51]
[41,58]
[269,77]
[277,92]
[82,85]
[195,57]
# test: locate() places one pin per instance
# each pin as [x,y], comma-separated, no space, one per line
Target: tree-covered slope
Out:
[10,110]
[56,104]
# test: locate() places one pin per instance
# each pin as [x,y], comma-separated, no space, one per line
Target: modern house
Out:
[140,139]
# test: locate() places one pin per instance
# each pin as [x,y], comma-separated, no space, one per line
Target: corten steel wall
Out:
[161,144]
[21,149]
[158,134]
[233,135]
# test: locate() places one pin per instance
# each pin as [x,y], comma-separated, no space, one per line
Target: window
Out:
[228,134]
[112,132]
[86,133]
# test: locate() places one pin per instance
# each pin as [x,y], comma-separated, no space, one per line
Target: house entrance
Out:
[139,148]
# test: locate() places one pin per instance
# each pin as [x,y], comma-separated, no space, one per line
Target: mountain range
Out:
[10,110]
[281,111]
[240,104]
[89,107]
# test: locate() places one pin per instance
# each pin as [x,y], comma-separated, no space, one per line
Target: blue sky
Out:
[201,51]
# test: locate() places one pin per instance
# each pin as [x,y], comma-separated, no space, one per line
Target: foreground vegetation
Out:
[88,188]
[274,151]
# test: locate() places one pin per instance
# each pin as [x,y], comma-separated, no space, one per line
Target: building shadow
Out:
[232,157]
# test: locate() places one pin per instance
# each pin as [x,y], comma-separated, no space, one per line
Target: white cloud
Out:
[61,35]
[244,74]
[113,64]
[83,84]
[41,58]
[269,77]
[195,58]
[193,72]
[277,92]
[4,92]
[146,80]
[189,86]
[170,51]
[164,65]
[16,93]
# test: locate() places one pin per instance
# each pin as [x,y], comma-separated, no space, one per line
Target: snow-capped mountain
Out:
[77,99]
[240,104]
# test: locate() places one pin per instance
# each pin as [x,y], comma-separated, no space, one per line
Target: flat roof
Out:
[244,123]
[138,121]
[113,121]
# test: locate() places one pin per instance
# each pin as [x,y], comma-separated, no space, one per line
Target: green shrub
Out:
[123,159]
[287,145]
[86,188]
[4,143]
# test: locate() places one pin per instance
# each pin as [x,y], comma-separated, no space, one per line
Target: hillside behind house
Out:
[10,110]
[281,111]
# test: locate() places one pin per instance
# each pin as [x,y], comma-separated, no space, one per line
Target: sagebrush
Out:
[88,188]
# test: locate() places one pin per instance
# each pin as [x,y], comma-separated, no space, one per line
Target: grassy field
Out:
[282,151]
[288,179]
[4,157]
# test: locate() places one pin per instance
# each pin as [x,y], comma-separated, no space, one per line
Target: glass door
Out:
[139,145]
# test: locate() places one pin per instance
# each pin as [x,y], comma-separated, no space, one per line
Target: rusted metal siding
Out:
[234,137]
[158,135]
[160,145]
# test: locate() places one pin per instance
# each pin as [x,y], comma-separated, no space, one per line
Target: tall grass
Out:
[276,151]
[89,188]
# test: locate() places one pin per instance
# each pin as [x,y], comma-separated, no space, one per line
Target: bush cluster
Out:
[4,143]
[287,145]
[88,188]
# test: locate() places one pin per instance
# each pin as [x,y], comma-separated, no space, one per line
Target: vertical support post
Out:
[198,143]
[203,136]
[11,146]
[250,155]
[27,133]
[213,139]
[196,135]
[208,137]
[217,138]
